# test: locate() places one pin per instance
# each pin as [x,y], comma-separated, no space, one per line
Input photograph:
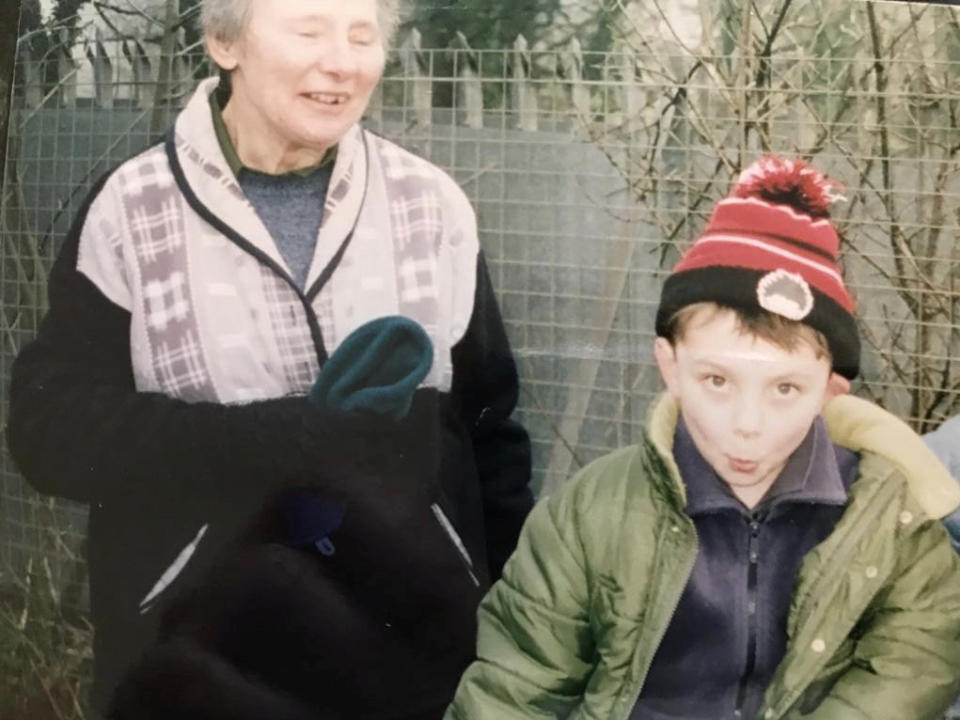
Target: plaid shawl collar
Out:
[207,172]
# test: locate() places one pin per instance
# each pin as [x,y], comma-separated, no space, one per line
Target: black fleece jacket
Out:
[155,468]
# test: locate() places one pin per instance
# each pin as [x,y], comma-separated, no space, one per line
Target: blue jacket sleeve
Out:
[945,442]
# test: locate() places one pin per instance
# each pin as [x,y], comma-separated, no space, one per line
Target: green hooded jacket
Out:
[874,621]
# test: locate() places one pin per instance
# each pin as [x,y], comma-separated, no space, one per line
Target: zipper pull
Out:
[325,546]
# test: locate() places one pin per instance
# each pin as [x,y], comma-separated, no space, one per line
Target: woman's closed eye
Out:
[363,37]
[310,32]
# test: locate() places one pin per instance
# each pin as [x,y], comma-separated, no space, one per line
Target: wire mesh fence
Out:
[589,171]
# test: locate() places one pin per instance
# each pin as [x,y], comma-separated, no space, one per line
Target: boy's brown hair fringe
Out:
[781,331]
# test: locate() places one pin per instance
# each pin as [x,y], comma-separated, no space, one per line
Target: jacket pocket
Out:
[172,572]
[839,663]
[456,541]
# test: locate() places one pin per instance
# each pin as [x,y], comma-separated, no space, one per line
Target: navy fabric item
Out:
[376,369]
[728,633]
[307,517]
[291,208]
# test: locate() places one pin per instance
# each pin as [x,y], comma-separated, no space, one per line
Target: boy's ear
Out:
[224,54]
[666,356]
[836,385]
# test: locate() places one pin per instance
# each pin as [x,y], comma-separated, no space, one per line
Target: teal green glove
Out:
[376,369]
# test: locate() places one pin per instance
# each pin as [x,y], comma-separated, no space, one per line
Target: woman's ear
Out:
[225,54]
[666,356]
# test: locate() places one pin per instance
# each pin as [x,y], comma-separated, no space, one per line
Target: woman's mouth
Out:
[331,99]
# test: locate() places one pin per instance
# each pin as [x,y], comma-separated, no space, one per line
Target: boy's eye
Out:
[716,381]
[787,389]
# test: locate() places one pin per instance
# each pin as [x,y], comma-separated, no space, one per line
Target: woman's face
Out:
[303,70]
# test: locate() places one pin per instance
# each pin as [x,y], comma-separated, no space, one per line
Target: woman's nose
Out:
[336,57]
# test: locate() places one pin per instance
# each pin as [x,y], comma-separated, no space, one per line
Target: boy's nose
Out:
[747,419]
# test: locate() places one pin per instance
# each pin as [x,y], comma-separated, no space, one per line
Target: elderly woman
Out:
[204,286]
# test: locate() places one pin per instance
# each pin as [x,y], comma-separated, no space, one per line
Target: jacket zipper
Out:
[753,550]
[455,540]
[634,694]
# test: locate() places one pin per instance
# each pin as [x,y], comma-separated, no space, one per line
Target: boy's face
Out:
[747,402]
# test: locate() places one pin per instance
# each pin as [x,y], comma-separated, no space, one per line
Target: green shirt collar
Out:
[230,152]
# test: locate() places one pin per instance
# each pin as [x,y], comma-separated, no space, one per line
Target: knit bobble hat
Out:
[770,247]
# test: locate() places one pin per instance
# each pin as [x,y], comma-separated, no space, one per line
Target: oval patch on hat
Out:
[786,294]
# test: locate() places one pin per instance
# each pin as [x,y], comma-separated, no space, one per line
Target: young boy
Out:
[761,554]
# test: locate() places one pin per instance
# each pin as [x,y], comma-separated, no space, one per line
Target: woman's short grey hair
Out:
[226,19]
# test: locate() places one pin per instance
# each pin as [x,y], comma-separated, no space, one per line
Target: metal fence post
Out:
[140,65]
[182,69]
[469,84]
[416,73]
[632,102]
[612,108]
[66,72]
[32,78]
[571,67]
[102,71]
[524,92]
[161,97]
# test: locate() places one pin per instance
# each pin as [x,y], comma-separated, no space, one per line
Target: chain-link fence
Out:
[589,172]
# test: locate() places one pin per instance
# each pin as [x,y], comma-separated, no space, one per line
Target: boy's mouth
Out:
[740,465]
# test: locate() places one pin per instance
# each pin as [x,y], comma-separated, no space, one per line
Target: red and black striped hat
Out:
[771,247]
